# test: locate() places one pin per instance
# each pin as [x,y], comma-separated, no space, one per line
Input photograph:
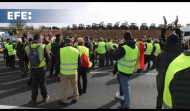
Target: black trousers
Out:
[4,53]
[92,59]
[12,61]
[38,79]
[82,73]
[147,59]
[154,61]
[53,66]
[109,57]
[101,60]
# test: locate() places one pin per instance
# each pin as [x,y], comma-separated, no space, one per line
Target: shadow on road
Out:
[109,105]
[99,75]
[49,105]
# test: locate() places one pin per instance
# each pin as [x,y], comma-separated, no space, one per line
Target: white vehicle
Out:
[185,33]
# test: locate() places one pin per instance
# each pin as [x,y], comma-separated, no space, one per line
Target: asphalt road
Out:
[102,86]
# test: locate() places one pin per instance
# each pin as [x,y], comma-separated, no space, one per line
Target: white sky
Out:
[94,12]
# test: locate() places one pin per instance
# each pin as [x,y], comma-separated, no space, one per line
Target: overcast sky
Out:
[94,12]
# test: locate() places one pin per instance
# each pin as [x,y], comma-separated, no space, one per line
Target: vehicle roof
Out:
[185,29]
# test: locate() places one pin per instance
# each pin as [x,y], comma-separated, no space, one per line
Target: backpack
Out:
[33,56]
[84,61]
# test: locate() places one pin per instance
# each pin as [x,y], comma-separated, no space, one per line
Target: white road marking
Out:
[133,73]
[9,72]
[15,107]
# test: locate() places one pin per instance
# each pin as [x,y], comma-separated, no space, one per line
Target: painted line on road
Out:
[15,107]
[9,72]
[133,73]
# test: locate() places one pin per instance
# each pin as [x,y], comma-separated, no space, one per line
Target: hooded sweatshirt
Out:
[121,53]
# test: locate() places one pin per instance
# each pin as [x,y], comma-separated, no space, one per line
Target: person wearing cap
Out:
[11,53]
[82,72]
[101,50]
[63,41]
[126,61]
[170,50]
[68,63]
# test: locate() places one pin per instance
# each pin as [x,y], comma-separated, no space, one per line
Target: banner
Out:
[34,15]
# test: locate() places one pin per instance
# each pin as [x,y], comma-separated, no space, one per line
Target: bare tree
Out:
[19,25]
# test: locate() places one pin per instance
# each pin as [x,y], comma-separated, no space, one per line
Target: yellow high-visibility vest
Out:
[40,53]
[69,60]
[149,49]
[178,64]
[158,49]
[101,48]
[128,62]
[10,49]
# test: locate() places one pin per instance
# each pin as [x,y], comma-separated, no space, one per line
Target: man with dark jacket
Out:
[170,50]
[54,49]
[126,61]
[88,44]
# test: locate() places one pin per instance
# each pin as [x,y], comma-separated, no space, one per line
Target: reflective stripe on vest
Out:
[178,64]
[148,49]
[158,50]
[10,49]
[69,60]
[128,62]
[101,48]
[40,52]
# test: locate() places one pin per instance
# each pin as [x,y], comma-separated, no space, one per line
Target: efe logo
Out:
[23,15]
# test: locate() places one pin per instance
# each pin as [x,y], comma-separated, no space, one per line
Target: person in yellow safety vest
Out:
[101,50]
[147,53]
[68,63]
[126,61]
[109,52]
[171,48]
[82,72]
[11,53]
[176,85]
[38,72]
[155,52]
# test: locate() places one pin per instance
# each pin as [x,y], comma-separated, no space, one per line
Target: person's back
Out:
[68,62]
[177,83]
[54,48]
[39,70]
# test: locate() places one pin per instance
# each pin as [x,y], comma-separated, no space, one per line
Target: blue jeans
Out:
[124,82]
[101,60]
[120,90]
